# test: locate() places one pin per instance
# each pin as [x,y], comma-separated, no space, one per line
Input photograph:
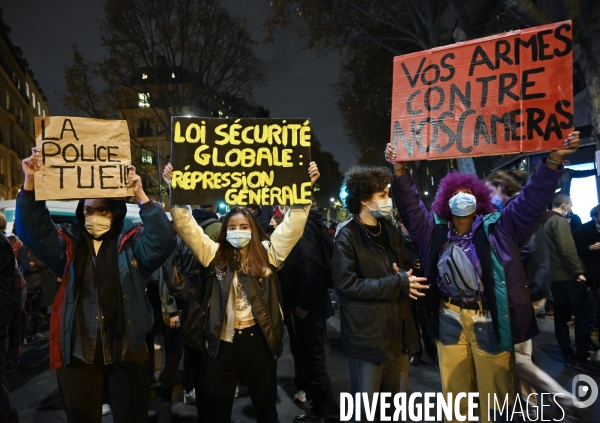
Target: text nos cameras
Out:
[434,406]
[94,165]
[505,96]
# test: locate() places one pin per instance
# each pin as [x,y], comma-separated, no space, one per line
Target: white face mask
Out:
[462,204]
[239,238]
[97,225]
[384,208]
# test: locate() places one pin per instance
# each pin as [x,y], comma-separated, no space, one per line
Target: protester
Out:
[569,288]
[101,315]
[171,308]
[244,334]
[276,219]
[185,265]
[305,277]
[9,310]
[478,319]
[587,241]
[535,255]
[368,260]
[34,271]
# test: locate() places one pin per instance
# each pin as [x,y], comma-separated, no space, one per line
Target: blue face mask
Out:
[462,204]
[497,202]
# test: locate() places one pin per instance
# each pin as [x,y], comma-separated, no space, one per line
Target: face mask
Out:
[97,225]
[497,202]
[239,238]
[598,226]
[565,213]
[384,208]
[462,204]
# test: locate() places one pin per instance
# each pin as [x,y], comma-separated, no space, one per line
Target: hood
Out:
[118,208]
[316,218]
[202,215]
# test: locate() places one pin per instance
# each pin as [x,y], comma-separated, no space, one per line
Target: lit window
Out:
[44,113]
[39,109]
[27,88]
[173,75]
[144,100]
[147,156]
[7,100]
[144,76]
[18,84]
[33,100]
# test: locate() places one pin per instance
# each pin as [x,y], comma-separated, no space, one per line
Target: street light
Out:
[332,199]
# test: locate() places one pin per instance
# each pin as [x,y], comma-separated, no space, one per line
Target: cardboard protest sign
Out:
[504,94]
[81,158]
[240,161]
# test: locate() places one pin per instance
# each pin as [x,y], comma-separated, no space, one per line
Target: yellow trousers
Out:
[471,360]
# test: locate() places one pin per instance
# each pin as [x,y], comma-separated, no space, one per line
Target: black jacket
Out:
[303,274]
[264,297]
[8,304]
[376,322]
[584,236]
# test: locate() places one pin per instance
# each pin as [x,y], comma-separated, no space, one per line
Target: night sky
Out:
[298,81]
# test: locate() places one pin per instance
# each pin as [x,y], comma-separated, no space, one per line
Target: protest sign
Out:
[503,94]
[240,161]
[81,158]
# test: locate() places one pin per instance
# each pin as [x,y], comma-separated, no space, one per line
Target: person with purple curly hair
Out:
[477,305]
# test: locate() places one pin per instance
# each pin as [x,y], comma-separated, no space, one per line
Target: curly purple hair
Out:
[456,180]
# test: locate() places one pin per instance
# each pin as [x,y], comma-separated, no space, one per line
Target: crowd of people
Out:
[461,282]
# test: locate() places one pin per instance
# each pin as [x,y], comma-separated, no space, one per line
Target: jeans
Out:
[82,387]
[370,377]
[247,355]
[571,298]
[471,360]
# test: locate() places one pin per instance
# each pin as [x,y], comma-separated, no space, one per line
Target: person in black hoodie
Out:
[304,277]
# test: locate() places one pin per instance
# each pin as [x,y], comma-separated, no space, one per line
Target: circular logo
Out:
[584,390]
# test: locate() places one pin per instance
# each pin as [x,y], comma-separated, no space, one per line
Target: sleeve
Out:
[204,248]
[518,219]
[351,286]
[287,234]
[37,231]
[566,246]
[307,264]
[581,243]
[157,241]
[415,216]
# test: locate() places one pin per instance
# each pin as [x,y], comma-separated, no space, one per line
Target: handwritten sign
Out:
[81,158]
[240,161]
[497,95]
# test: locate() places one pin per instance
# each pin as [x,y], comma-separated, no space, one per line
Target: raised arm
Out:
[287,234]
[291,228]
[34,225]
[415,216]
[520,216]
[204,248]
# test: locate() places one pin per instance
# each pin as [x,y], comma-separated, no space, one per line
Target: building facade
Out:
[21,100]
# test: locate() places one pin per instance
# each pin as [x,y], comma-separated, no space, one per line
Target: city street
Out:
[35,393]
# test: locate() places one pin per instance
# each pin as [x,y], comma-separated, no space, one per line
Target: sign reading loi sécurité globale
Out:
[81,158]
[243,161]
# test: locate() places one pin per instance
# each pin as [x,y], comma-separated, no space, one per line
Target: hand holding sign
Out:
[313,171]
[134,181]
[30,165]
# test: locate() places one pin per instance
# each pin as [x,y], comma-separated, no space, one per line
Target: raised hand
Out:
[168,173]
[313,171]
[135,181]
[30,165]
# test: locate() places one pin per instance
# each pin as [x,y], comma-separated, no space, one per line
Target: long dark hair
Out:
[256,262]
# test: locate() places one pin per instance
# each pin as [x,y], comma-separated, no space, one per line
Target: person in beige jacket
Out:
[244,332]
